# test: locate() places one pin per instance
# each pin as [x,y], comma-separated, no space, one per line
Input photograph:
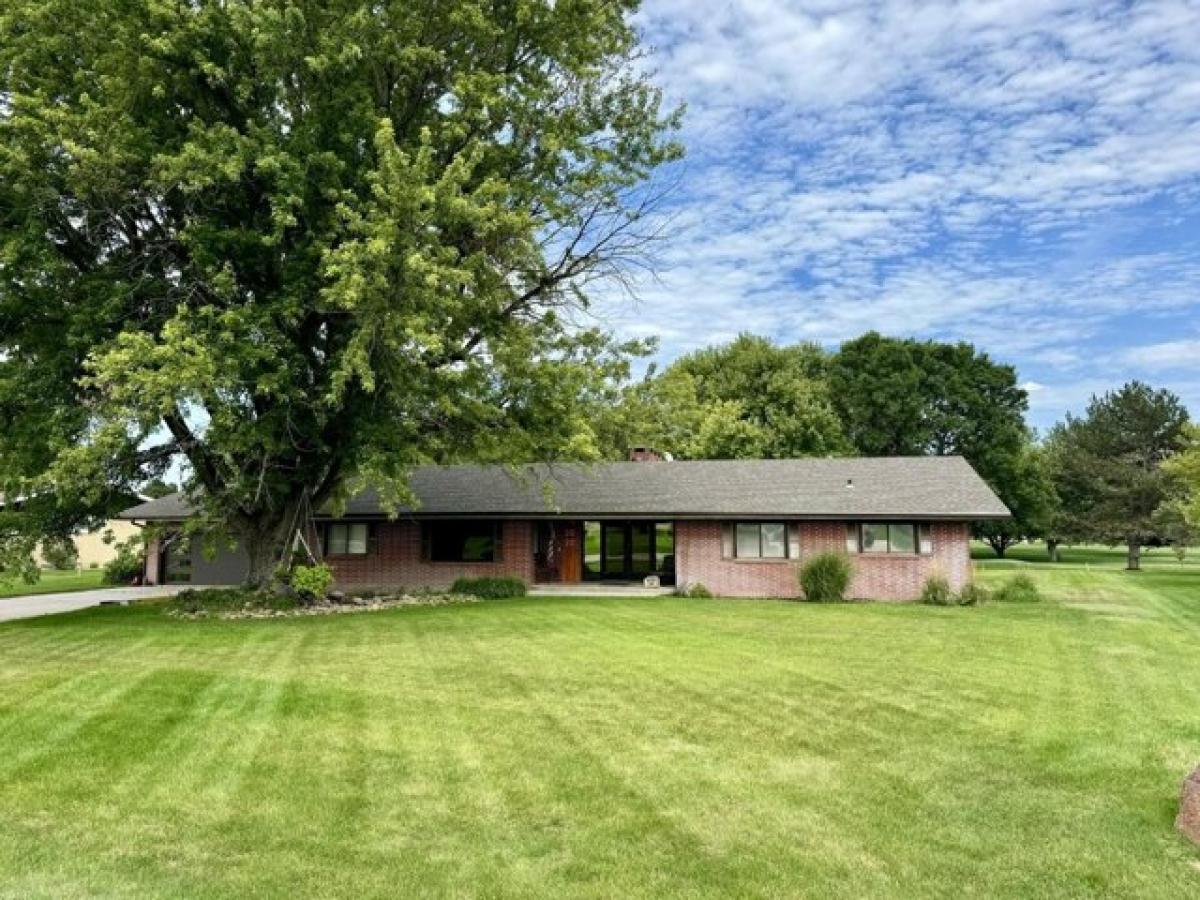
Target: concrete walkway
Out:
[47,604]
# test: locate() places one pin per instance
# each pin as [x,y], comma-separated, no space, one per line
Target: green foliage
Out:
[694,589]
[744,400]
[1018,589]
[347,238]
[60,553]
[490,588]
[1109,470]
[937,591]
[312,582]
[973,594]
[1025,485]
[158,488]
[825,578]
[906,397]
[129,563]
[1184,470]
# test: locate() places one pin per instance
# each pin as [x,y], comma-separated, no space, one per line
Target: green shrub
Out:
[1018,589]
[694,589]
[497,588]
[973,594]
[312,582]
[825,578]
[128,565]
[937,592]
[60,553]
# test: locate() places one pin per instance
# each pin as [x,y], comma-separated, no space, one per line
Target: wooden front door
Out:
[570,558]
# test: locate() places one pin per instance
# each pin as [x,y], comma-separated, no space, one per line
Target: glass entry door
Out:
[629,551]
[615,544]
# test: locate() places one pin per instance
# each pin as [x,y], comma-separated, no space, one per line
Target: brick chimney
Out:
[644,454]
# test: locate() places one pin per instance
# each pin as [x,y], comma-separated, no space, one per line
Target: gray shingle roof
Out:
[944,487]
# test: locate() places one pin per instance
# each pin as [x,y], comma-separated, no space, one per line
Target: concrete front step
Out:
[594,589]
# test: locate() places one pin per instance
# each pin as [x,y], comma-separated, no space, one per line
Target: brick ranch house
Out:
[741,528]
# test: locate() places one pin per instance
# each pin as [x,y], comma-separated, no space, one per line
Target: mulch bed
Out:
[348,605]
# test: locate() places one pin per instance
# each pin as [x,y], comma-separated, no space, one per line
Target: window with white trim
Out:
[761,540]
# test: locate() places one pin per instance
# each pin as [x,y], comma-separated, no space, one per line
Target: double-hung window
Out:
[761,540]
[347,538]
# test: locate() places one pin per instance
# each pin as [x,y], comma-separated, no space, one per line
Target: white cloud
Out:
[972,170]
[1181,354]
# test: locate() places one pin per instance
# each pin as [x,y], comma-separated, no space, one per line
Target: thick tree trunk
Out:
[1135,556]
[263,541]
[999,546]
[1052,549]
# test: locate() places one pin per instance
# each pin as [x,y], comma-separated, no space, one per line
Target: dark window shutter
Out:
[372,538]
[426,542]
[498,541]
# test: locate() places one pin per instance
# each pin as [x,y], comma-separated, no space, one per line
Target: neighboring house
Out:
[739,527]
[97,546]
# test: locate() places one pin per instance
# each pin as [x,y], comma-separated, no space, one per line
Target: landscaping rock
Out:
[1188,820]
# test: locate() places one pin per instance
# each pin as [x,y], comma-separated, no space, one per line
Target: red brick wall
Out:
[876,577]
[395,560]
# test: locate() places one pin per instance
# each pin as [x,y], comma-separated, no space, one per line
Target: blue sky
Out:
[1023,175]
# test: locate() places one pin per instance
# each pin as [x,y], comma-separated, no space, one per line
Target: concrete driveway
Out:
[47,604]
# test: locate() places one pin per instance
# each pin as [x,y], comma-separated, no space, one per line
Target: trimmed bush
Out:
[312,582]
[128,565]
[695,590]
[825,578]
[498,588]
[1018,589]
[973,594]
[937,592]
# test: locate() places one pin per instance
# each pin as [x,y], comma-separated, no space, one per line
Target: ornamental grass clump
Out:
[973,594]
[937,592]
[1018,589]
[825,578]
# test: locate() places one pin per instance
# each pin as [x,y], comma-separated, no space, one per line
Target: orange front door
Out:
[570,565]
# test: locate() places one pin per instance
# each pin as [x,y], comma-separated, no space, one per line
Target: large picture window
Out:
[888,537]
[347,538]
[465,541]
[760,540]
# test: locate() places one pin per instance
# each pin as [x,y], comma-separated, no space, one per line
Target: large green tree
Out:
[750,398]
[308,243]
[1028,491]
[899,396]
[1109,467]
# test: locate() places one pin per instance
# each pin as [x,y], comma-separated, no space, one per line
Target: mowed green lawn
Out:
[52,582]
[612,748]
